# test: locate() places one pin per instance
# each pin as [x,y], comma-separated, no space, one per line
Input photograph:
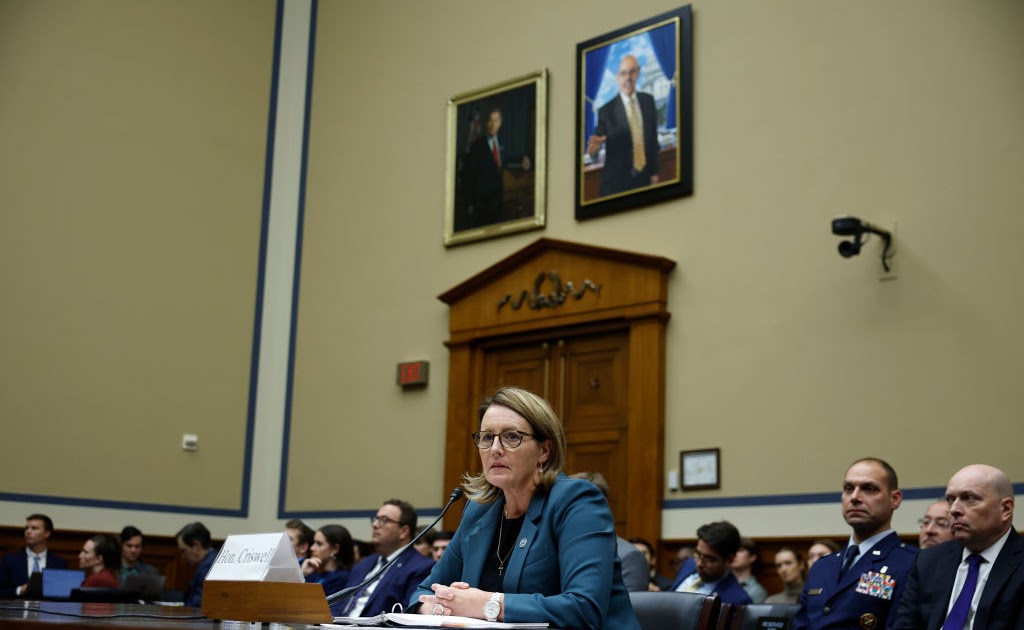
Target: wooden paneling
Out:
[159,551]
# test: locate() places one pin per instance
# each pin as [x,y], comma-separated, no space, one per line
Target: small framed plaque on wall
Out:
[701,469]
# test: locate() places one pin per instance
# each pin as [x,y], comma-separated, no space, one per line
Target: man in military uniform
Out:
[859,586]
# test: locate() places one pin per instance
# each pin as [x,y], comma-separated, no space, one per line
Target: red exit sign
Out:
[413,373]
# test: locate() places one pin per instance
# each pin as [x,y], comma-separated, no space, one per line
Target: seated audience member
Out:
[710,572]
[441,540]
[196,547]
[131,551]
[977,580]
[860,587]
[790,567]
[101,559]
[425,545]
[301,537]
[330,562]
[392,532]
[935,525]
[17,566]
[566,574]
[742,568]
[819,549]
[635,569]
[656,582]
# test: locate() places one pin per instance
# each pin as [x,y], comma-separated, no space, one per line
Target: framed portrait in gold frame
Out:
[496,160]
[634,119]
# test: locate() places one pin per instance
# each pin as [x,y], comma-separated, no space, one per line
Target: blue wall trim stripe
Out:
[118,505]
[365,514]
[931,492]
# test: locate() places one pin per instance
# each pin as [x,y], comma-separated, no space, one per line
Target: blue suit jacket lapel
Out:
[525,540]
[943,579]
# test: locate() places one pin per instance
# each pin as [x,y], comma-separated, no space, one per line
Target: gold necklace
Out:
[497,552]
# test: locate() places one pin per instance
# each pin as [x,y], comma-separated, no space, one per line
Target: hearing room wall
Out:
[789,358]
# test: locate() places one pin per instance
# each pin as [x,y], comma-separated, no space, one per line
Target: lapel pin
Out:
[522,543]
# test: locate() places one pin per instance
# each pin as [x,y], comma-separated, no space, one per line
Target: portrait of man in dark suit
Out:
[496,160]
[634,122]
[627,127]
[483,172]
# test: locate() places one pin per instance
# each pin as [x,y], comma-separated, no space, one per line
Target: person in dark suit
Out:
[935,525]
[483,173]
[196,547]
[16,567]
[631,150]
[980,500]
[393,529]
[709,571]
[131,551]
[533,544]
[860,586]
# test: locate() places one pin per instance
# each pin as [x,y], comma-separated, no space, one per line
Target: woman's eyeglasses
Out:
[509,439]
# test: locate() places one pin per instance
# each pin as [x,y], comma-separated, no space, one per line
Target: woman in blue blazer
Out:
[533,545]
[330,562]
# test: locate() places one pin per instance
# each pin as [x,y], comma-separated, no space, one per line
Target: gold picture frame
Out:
[651,64]
[493,190]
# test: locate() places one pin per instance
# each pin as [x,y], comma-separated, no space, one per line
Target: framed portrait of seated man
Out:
[496,160]
[634,118]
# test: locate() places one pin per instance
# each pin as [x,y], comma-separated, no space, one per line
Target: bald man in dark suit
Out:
[631,151]
[985,559]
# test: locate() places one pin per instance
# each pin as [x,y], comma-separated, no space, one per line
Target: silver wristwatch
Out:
[493,607]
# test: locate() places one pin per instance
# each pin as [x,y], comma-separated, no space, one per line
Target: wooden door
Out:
[584,327]
[585,379]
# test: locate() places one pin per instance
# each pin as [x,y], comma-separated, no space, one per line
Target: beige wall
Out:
[133,137]
[792,360]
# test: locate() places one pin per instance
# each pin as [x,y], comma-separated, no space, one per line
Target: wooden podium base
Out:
[265,601]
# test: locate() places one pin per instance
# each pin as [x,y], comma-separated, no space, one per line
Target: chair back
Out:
[758,616]
[675,611]
[725,616]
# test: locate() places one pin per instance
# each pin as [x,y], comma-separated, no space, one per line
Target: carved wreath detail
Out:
[539,300]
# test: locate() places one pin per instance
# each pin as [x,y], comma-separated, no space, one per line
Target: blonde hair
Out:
[545,426]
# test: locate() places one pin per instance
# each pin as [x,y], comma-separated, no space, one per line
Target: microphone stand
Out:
[347,592]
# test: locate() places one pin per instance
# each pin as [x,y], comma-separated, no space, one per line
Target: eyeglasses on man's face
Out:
[941,523]
[383,521]
[706,558]
[509,439]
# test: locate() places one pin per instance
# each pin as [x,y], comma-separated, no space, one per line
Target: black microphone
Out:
[347,592]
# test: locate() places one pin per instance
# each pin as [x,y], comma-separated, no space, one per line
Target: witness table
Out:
[35,615]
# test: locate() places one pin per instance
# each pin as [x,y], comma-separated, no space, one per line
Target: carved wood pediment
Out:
[552,282]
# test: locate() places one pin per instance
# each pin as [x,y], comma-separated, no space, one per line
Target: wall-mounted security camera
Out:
[852,226]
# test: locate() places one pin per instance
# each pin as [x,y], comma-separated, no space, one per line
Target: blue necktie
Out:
[851,555]
[35,564]
[957,616]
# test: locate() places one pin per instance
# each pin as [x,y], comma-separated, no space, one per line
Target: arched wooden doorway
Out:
[585,327]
